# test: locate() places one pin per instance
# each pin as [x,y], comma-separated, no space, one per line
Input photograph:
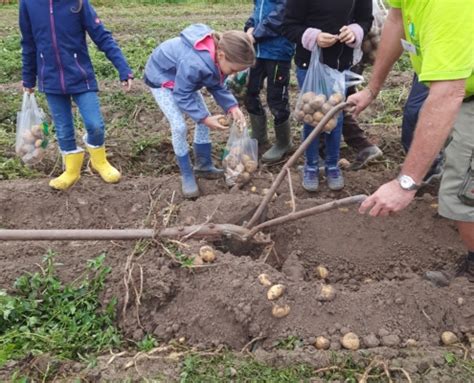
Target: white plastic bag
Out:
[240,157]
[323,89]
[372,39]
[31,131]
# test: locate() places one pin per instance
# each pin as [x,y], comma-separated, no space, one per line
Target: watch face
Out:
[405,183]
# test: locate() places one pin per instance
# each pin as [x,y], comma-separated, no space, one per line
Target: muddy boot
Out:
[188,182]
[102,166]
[283,143]
[259,128]
[203,162]
[72,173]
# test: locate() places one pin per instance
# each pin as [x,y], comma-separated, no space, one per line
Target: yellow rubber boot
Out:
[100,164]
[72,163]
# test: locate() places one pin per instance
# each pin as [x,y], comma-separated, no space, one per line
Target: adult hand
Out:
[238,117]
[326,40]
[347,36]
[359,101]
[127,85]
[389,198]
[212,122]
[250,34]
[29,90]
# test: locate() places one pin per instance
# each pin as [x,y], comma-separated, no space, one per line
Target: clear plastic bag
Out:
[323,89]
[372,39]
[240,157]
[32,132]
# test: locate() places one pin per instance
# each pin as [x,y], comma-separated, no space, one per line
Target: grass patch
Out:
[65,320]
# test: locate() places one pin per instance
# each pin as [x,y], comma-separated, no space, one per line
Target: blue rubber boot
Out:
[203,162]
[310,170]
[188,182]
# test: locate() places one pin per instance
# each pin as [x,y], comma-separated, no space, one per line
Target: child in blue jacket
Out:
[176,71]
[54,51]
[274,53]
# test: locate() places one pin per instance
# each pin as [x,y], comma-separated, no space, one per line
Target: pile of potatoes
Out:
[312,107]
[370,45]
[31,145]
[238,166]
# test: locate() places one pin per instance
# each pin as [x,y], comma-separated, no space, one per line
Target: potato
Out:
[322,343]
[38,143]
[240,167]
[264,280]
[28,137]
[308,119]
[27,148]
[326,107]
[321,272]
[317,116]
[207,254]
[223,121]
[449,338]
[327,293]
[37,131]
[243,178]
[350,341]
[335,99]
[275,292]
[251,166]
[308,109]
[246,158]
[344,163]
[299,115]
[308,96]
[411,343]
[331,124]
[197,261]
[253,189]
[317,102]
[280,311]
[232,161]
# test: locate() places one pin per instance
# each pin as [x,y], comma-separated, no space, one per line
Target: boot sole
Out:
[208,175]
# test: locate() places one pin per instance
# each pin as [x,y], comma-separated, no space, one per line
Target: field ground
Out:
[161,319]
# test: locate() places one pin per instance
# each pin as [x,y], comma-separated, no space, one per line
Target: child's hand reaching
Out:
[127,85]
[212,122]
[29,90]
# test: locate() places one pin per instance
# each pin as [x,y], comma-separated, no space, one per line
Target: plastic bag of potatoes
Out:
[323,89]
[31,131]
[372,39]
[240,156]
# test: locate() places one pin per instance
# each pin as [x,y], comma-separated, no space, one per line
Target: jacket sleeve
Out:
[104,40]
[186,83]
[294,21]
[28,48]
[271,25]
[224,97]
[363,15]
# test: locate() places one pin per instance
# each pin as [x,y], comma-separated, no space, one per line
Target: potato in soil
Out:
[275,292]
[280,311]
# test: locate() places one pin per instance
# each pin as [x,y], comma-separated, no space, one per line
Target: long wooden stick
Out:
[291,161]
[357,199]
[75,234]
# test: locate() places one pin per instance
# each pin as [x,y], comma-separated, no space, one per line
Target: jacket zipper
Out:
[82,71]
[42,71]
[260,20]
[55,45]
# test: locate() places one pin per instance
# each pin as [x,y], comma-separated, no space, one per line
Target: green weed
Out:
[65,320]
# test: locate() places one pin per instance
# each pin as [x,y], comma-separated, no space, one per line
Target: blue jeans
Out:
[61,111]
[333,139]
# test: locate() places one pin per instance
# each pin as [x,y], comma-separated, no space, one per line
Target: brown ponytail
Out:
[237,47]
[79,7]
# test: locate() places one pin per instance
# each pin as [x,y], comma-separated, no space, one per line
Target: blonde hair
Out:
[237,47]
[79,7]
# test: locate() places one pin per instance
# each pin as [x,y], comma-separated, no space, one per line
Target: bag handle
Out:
[352,79]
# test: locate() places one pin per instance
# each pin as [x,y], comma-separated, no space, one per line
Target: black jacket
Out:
[328,16]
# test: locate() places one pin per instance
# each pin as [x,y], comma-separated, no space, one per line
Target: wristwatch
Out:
[407,183]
